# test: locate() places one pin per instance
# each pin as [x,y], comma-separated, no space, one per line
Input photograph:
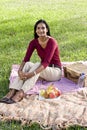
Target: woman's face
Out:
[41,30]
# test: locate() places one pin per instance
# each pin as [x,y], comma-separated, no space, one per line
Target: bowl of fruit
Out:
[49,93]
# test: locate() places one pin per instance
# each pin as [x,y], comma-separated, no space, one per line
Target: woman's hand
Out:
[24,75]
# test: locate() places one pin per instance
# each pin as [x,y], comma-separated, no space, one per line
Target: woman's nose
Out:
[41,29]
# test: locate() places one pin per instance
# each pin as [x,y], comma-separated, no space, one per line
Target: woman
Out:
[48,69]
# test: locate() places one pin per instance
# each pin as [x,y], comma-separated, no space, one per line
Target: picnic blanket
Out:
[70,108]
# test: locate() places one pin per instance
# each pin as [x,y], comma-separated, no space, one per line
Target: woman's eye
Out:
[43,27]
[38,27]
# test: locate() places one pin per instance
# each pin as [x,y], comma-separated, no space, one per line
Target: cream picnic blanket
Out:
[69,109]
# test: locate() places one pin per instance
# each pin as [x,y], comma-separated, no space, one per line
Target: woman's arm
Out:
[28,54]
[21,66]
[20,73]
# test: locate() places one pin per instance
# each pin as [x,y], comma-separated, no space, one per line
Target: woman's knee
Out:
[37,64]
[27,66]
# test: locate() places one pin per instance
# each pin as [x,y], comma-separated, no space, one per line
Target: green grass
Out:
[68,24]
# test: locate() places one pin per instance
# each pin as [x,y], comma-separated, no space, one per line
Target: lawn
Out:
[68,23]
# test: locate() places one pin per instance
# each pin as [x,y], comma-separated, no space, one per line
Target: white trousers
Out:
[48,74]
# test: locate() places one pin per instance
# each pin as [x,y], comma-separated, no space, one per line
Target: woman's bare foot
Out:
[18,96]
[11,93]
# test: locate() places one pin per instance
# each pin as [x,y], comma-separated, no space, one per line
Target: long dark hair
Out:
[35,26]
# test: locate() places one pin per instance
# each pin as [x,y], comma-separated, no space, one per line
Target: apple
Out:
[56,91]
[42,92]
[46,95]
[59,93]
[52,95]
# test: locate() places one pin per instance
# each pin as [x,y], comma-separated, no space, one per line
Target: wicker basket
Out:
[74,70]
